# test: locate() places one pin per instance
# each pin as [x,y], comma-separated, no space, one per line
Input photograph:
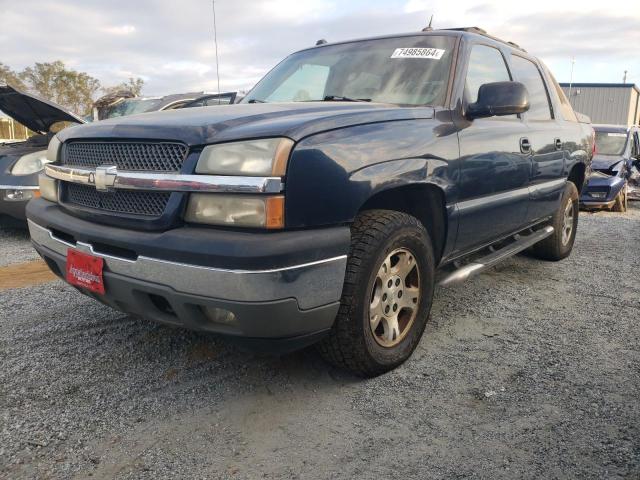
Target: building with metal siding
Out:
[611,103]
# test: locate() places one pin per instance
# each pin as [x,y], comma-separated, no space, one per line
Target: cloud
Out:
[170,44]
[120,30]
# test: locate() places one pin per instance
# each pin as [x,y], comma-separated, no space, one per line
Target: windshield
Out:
[610,143]
[407,71]
[129,106]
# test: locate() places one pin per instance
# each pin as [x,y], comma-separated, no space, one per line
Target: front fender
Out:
[331,175]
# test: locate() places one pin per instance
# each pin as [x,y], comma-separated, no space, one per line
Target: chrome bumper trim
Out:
[19,187]
[312,284]
[110,178]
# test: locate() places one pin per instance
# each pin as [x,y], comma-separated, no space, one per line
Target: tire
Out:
[375,285]
[559,244]
[621,202]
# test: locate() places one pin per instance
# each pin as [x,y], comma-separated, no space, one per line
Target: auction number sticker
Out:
[432,53]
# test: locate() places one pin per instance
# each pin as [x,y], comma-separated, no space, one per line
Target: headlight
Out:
[54,149]
[30,163]
[236,210]
[267,157]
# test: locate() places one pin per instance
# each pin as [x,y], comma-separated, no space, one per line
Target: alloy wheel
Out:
[567,223]
[395,297]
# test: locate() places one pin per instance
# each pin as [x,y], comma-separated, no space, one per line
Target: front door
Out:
[495,162]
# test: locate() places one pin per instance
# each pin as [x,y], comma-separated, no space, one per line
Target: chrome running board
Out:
[520,243]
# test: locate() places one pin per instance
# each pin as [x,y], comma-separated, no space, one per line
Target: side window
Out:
[635,146]
[566,110]
[305,83]
[527,72]
[486,65]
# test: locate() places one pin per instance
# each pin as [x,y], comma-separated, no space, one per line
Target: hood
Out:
[203,125]
[605,162]
[34,113]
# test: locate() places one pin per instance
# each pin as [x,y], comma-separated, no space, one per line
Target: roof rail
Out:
[480,31]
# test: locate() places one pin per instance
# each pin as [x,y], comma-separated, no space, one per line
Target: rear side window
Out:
[566,110]
[526,72]
[486,65]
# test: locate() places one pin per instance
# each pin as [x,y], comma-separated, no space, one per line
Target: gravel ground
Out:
[531,370]
[14,242]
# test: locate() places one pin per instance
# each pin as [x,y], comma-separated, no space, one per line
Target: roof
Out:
[454,32]
[602,85]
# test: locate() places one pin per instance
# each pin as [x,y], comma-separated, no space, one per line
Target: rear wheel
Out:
[565,225]
[621,201]
[387,294]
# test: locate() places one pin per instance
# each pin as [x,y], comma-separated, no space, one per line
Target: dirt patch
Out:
[20,275]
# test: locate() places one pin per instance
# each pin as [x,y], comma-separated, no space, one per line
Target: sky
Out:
[170,43]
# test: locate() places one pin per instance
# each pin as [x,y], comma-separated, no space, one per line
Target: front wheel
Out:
[386,296]
[559,244]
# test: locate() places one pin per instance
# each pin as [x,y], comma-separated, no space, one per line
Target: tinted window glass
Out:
[566,110]
[526,72]
[486,65]
[402,71]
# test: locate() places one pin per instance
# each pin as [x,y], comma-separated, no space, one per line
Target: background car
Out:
[617,148]
[21,161]
[123,103]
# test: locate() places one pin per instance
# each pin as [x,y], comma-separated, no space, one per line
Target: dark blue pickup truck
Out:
[327,205]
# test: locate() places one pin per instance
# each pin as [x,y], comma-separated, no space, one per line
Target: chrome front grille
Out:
[150,204]
[133,156]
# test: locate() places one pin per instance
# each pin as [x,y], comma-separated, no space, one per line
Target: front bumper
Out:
[288,301]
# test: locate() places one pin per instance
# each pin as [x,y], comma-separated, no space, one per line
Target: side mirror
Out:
[498,99]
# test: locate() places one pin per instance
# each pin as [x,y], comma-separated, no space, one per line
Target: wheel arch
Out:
[577,176]
[426,202]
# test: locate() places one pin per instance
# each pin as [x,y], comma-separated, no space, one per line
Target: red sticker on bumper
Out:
[85,271]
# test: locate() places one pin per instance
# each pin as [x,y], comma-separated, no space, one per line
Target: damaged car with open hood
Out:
[617,157]
[22,161]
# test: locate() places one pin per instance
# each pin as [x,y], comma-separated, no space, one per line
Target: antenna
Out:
[429,28]
[573,62]
[215,42]
[624,79]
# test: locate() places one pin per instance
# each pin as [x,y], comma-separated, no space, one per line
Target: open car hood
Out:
[34,113]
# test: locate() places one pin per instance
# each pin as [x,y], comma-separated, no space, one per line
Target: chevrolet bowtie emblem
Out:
[104,178]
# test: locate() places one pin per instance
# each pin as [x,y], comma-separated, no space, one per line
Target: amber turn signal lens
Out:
[275,212]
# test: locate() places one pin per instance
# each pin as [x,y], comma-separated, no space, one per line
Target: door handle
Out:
[525,146]
[558,144]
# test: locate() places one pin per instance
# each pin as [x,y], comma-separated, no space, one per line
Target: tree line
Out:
[54,81]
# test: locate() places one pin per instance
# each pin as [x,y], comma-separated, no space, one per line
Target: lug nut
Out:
[397,282]
[395,307]
[384,297]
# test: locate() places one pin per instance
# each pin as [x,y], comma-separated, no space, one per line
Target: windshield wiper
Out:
[337,98]
[255,100]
